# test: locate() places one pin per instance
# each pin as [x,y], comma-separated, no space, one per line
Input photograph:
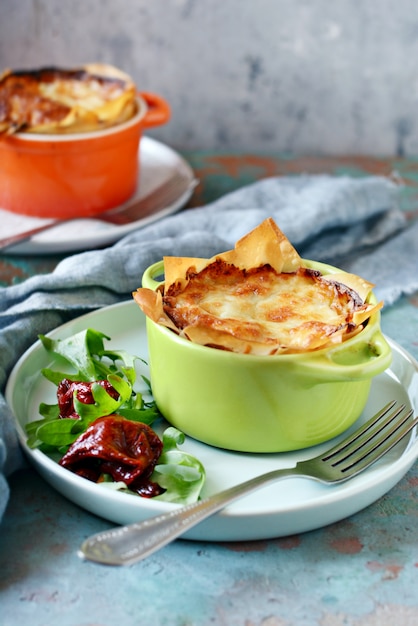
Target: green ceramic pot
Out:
[254,403]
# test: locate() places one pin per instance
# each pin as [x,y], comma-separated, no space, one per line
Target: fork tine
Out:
[360,433]
[371,429]
[382,447]
[381,440]
[378,429]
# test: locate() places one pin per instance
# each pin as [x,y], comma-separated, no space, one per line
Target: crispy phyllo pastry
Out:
[54,100]
[259,298]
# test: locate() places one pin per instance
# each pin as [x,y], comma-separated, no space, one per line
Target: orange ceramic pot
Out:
[76,175]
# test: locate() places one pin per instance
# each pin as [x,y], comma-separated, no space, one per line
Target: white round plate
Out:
[158,162]
[287,507]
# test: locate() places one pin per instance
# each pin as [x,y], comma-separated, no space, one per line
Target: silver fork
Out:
[126,545]
[162,196]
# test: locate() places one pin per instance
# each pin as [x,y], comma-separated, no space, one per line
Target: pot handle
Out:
[158,112]
[360,359]
[151,274]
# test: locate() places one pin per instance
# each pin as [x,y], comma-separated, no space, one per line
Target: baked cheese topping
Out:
[91,94]
[266,311]
[273,307]
[53,100]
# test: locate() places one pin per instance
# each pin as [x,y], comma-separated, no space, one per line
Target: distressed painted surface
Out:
[362,571]
[283,75]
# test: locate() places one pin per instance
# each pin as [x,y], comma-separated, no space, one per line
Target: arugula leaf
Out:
[104,404]
[90,362]
[78,350]
[60,432]
[145,415]
[180,473]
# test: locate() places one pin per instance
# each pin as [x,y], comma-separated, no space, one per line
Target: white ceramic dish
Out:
[288,507]
[158,161]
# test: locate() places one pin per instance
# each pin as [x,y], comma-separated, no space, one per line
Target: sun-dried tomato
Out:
[65,395]
[126,450]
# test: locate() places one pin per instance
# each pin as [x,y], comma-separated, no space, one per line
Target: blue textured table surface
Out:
[362,571]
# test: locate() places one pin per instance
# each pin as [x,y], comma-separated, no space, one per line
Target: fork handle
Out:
[6,242]
[126,545]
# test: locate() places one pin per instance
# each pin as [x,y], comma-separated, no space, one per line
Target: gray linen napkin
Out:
[353,223]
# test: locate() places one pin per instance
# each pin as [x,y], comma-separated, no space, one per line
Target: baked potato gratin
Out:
[259,298]
[55,100]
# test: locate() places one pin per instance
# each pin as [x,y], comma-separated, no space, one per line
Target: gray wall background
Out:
[305,76]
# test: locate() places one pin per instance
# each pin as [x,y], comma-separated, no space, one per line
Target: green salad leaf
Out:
[83,358]
[85,352]
[179,473]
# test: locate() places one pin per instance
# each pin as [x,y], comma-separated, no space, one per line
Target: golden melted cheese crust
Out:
[53,100]
[263,311]
[259,298]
